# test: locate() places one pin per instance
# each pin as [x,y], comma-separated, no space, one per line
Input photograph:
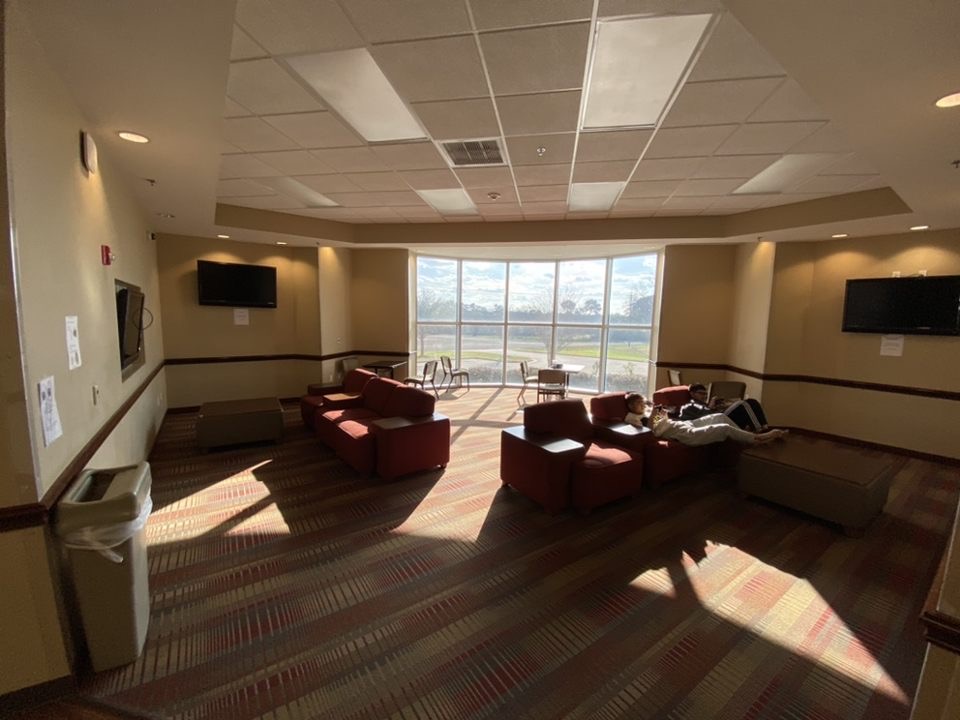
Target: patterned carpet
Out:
[286,586]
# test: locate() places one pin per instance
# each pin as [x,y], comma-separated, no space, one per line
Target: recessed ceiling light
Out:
[636,64]
[837,236]
[594,196]
[452,201]
[920,227]
[352,83]
[280,242]
[541,151]
[493,195]
[786,172]
[951,100]
[133,137]
[223,237]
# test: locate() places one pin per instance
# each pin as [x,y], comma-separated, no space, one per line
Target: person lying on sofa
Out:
[705,430]
[747,414]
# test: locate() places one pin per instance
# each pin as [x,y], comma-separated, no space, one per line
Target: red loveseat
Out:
[353,383]
[557,459]
[389,428]
[664,460]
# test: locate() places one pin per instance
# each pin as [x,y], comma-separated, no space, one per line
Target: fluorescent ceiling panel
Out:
[298,191]
[787,172]
[637,63]
[594,196]
[453,201]
[351,82]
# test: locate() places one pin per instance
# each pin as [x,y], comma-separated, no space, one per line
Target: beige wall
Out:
[379,301]
[336,331]
[60,215]
[192,330]
[753,286]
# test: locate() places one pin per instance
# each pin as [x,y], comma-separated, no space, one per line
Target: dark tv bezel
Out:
[894,329]
[230,302]
[129,363]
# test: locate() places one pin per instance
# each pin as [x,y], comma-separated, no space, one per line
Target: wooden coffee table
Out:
[230,422]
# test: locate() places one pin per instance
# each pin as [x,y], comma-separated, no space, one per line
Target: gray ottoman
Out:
[239,421]
[840,483]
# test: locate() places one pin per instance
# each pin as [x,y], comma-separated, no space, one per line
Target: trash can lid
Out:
[103,496]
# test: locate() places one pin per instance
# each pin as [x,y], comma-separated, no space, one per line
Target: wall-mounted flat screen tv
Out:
[129,323]
[907,306]
[236,285]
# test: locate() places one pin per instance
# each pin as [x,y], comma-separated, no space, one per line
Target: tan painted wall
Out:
[193,330]
[753,285]
[336,331]
[379,301]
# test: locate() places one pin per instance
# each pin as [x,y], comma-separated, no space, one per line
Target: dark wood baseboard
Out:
[44,692]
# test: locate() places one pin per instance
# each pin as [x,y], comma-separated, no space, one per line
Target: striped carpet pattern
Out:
[286,586]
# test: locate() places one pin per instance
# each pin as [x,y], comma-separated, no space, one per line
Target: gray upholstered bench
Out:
[239,421]
[840,483]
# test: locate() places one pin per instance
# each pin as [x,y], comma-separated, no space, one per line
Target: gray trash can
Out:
[101,521]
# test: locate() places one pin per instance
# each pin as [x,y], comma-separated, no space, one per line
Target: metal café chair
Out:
[551,383]
[527,377]
[429,375]
[450,371]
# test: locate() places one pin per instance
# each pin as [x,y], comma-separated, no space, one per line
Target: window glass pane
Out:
[530,343]
[481,352]
[581,288]
[434,341]
[436,289]
[531,291]
[580,346]
[484,288]
[628,358]
[631,293]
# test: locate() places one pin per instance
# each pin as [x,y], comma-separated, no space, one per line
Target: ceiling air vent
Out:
[473,152]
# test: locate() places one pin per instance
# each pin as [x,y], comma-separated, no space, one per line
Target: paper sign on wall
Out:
[891,345]
[48,411]
[241,316]
[73,342]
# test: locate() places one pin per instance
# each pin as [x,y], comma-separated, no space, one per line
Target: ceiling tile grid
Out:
[517,72]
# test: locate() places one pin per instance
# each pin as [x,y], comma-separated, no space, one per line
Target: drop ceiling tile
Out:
[484,177]
[737,202]
[373,213]
[850,165]
[410,156]
[720,101]
[791,198]
[732,52]
[677,212]
[328,183]
[788,103]
[274,202]
[263,87]
[613,170]
[828,139]
[242,188]
[494,14]
[234,109]
[481,196]
[542,174]
[650,188]
[500,208]
[544,208]
[584,215]
[287,27]
[295,162]
[873,183]
[650,203]
[627,212]
[831,184]
[458,119]
[612,145]
[245,166]
[707,187]
[503,218]
[380,21]
[608,8]
[539,113]
[734,166]
[688,142]
[253,134]
[536,59]
[688,203]
[543,193]
[353,159]
[315,130]
[227,149]
[666,169]
[378,181]
[757,138]
[430,179]
[376,199]
[417,213]
[461,218]
[243,47]
[558,148]
[439,69]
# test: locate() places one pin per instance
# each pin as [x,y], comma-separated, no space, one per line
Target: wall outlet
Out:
[922,273]
[96,394]
[895,273]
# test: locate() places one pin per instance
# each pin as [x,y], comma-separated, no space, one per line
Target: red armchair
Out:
[663,460]
[558,459]
[353,383]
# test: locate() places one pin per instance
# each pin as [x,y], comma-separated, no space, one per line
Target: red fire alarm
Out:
[106,257]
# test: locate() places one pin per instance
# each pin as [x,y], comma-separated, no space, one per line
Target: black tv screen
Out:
[129,322]
[236,285]
[905,306]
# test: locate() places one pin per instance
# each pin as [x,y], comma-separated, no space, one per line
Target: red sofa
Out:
[389,429]
[664,460]
[353,383]
[558,458]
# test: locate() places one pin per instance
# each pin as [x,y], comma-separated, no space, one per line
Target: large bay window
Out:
[489,316]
